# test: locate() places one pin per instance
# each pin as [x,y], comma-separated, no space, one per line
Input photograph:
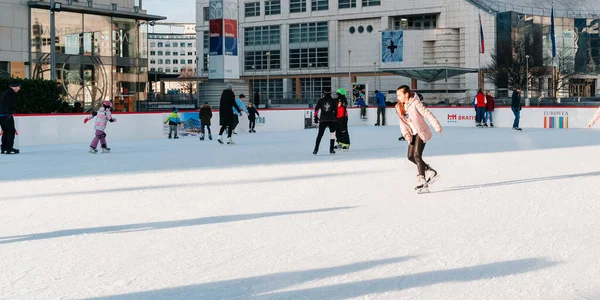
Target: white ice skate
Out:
[93,151]
[105,150]
[423,186]
[230,142]
[431,175]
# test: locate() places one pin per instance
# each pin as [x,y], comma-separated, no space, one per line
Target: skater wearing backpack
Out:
[412,114]
[205,115]
[103,116]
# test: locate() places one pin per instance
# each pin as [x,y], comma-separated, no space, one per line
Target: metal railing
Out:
[501,6]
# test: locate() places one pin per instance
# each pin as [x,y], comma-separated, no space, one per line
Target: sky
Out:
[184,11]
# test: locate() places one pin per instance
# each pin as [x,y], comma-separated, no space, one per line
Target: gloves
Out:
[112,120]
[316,120]
[85,120]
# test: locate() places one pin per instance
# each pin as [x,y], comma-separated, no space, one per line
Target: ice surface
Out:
[514,216]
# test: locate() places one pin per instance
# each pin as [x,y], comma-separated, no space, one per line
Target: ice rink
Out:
[515,215]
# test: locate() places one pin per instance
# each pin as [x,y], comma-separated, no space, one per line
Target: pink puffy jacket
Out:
[417,113]
[595,118]
[103,116]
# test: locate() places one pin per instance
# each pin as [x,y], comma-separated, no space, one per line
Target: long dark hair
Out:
[406,89]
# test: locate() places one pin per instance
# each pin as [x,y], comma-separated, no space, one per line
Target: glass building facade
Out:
[577,45]
[97,57]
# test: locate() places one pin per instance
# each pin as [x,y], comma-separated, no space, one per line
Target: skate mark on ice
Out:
[159,225]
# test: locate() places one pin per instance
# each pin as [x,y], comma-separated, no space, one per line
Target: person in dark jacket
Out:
[381,105]
[328,107]
[205,115]
[257,99]
[516,108]
[7,108]
[490,106]
[252,113]
[360,102]
[226,106]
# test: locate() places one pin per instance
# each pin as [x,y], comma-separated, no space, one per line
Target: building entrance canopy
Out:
[429,74]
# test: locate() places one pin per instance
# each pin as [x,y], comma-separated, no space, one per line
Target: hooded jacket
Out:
[205,114]
[173,119]
[103,116]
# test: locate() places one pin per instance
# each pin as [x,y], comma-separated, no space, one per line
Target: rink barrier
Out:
[55,129]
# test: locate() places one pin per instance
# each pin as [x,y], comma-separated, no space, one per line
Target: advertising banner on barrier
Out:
[556,118]
[189,127]
[309,119]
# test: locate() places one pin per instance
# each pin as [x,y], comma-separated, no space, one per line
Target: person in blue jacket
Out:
[380,102]
[236,113]
[360,102]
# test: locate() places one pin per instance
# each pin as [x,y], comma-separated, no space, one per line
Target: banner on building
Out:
[223,32]
[392,46]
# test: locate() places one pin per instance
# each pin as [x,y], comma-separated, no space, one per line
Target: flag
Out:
[481,38]
[552,33]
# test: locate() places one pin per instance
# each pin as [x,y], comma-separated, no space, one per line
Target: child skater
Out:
[103,116]
[412,114]
[595,118]
[205,116]
[252,113]
[174,121]
[360,102]
[342,135]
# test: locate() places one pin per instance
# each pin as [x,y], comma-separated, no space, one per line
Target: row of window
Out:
[168,70]
[168,44]
[262,35]
[273,7]
[415,22]
[303,58]
[175,53]
[153,36]
[175,61]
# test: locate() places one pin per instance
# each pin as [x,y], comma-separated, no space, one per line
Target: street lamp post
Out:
[447,80]
[527,76]
[310,83]
[268,54]
[349,70]
[253,81]
[53,7]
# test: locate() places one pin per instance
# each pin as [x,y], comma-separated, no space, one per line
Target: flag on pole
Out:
[552,33]
[481,38]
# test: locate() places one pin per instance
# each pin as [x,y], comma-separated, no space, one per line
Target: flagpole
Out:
[553,40]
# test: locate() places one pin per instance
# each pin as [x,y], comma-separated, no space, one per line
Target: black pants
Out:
[252,123]
[203,128]
[8,132]
[363,111]
[381,112]
[342,134]
[322,127]
[415,154]
[229,130]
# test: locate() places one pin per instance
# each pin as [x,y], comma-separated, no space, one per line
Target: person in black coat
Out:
[252,113]
[7,108]
[516,108]
[257,99]
[328,107]
[205,115]
[226,106]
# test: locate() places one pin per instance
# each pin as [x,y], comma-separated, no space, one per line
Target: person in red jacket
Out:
[489,109]
[480,107]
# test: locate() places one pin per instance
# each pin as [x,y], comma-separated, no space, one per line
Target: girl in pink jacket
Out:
[595,118]
[412,114]
[103,116]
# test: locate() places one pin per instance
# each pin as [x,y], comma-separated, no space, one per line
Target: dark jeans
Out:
[8,132]
[517,113]
[363,111]
[342,135]
[322,127]
[381,112]
[415,154]
[479,114]
[207,126]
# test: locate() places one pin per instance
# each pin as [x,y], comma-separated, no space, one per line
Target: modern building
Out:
[101,47]
[298,47]
[172,52]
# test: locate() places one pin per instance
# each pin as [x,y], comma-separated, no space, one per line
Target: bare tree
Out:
[187,83]
[564,69]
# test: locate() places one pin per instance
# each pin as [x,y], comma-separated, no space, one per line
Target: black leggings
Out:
[322,127]
[415,154]
[229,130]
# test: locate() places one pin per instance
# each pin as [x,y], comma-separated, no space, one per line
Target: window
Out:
[252,9]
[371,2]
[346,3]
[160,61]
[206,61]
[175,70]
[317,5]
[175,53]
[167,61]
[160,53]
[206,13]
[152,44]
[168,70]
[272,7]
[300,58]
[175,61]
[190,54]
[206,40]
[152,69]
[167,44]
[168,53]
[275,90]
[415,22]
[259,60]
[313,90]
[152,52]
[264,35]
[182,45]
[152,61]
[189,45]
[160,70]
[297,6]
[190,61]
[160,44]
[309,32]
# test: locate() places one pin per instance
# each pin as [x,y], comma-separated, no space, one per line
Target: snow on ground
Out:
[514,216]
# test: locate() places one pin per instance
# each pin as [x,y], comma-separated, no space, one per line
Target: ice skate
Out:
[220,140]
[491,124]
[230,142]
[169,136]
[210,137]
[315,151]
[105,150]
[485,125]
[423,186]
[202,137]
[176,138]
[431,175]
[94,151]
